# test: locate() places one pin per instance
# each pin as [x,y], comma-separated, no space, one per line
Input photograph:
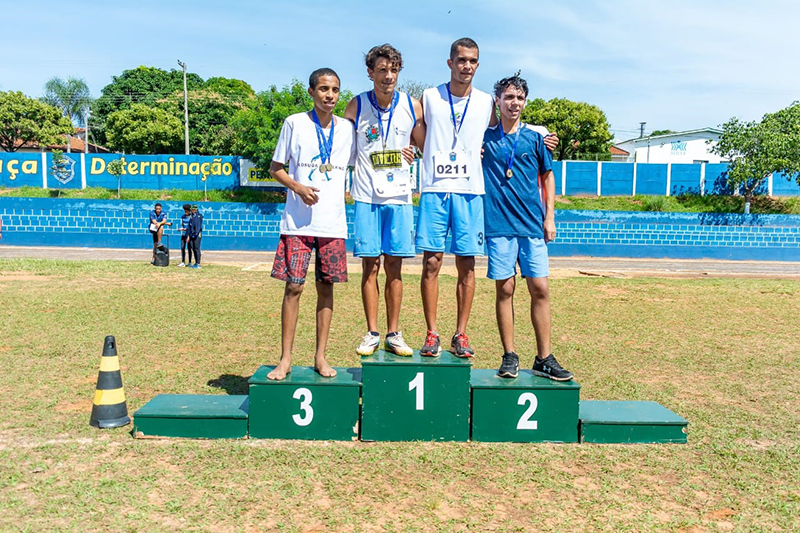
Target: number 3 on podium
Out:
[305,397]
[418,385]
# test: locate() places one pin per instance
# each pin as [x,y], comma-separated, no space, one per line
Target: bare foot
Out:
[324,369]
[279,372]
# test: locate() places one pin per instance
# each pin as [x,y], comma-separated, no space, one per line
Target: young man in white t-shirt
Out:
[317,147]
[386,121]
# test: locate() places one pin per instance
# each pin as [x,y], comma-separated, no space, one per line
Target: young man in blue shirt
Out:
[185,218]
[158,219]
[519,208]
[194,230]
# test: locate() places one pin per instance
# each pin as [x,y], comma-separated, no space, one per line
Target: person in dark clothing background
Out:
[185,218]
[195,232]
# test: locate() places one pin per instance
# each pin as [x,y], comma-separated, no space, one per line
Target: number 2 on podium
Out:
[525,421]
[418,385]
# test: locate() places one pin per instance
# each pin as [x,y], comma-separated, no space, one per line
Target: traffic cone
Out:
[109,409]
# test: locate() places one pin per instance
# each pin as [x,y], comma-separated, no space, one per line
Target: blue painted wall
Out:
[239,226]
[617,179]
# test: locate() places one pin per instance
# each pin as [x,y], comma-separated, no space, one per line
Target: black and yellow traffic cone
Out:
[109,409]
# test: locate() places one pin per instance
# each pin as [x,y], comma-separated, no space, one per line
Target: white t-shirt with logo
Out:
[299,148]
[440,137]
[377,185]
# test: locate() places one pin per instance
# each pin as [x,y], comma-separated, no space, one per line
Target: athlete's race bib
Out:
[387,159]
[452,164]
[391,183]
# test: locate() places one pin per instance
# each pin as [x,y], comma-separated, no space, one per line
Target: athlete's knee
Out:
[505,288]
[370,266]
[539,288]
[293,290]
[393,266]
[432,263]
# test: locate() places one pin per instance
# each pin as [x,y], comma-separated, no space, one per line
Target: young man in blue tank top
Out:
[386,122]
[520,220]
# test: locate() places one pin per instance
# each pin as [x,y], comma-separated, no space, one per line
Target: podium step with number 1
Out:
[415,398]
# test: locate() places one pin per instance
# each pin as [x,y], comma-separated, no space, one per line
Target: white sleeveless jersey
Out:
[440,137]
[379,186]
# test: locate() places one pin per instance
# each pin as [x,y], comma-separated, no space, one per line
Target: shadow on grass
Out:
[232,384]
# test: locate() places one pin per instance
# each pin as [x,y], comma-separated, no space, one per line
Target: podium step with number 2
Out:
[415,398]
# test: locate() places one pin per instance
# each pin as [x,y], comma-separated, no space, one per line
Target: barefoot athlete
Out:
[385,120]
[519,202]
[317,147]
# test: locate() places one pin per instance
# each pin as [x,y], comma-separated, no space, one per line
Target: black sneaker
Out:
[460,347]
[509,368]
[432,346]
[549,368]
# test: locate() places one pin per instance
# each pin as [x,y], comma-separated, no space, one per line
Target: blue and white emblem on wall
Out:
[65,171]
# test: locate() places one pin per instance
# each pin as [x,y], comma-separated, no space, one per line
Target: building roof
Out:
[76,144]
[618,151]
[715,131]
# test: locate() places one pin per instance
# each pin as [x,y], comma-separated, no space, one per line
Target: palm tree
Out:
[72,97]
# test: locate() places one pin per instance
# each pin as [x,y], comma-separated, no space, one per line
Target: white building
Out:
[680,147]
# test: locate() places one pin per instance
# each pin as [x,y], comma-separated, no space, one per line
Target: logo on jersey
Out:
[387,159]
[372,133]
[457,119]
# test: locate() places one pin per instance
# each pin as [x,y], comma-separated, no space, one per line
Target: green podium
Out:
[305,405]
[192,416]
[527,408]
[415,398]
[630,422]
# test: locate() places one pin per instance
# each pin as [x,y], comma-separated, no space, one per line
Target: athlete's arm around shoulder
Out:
[351,109]
[419,130]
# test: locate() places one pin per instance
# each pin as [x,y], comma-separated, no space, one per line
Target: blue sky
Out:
[676,65]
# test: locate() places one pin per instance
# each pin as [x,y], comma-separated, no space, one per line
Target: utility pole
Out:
[641,129]
[86,133]
[185,108]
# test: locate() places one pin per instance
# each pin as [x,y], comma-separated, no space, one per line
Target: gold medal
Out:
[323,167]
[329,167]
[509,173]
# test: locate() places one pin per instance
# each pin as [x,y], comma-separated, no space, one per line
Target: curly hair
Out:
[512,81]
[387,51]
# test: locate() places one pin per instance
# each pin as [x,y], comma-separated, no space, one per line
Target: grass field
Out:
[721,352]
[687,203]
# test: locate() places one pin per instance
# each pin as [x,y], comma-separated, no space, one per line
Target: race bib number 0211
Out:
[451,165]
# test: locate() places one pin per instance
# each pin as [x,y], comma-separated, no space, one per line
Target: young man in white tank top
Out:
[456,116]
[386,122]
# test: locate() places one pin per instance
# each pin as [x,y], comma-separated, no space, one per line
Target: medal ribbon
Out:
[510,157]
[325,145]
[457,126]
[380,111]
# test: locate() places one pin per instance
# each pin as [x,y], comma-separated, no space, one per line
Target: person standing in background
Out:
[187,216]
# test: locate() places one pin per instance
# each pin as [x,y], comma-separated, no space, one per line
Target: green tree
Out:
[758,149]
[582,128]
[661,132]
[26,120]
[142,85]
[141,129]
[259,125]
[413,87]
[115,169]
[230,87]
[71,96]
[209,116]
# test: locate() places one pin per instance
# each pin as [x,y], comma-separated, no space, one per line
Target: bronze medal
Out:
[509,173]
[323,167]
[329,167]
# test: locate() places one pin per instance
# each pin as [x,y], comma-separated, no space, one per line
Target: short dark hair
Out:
[466,42]
[511,81]
[386,51]
[157,205]
[186,207]
[317,74]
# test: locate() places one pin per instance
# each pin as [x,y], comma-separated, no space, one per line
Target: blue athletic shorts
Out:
[384,229]
[457,213]
[505,252]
